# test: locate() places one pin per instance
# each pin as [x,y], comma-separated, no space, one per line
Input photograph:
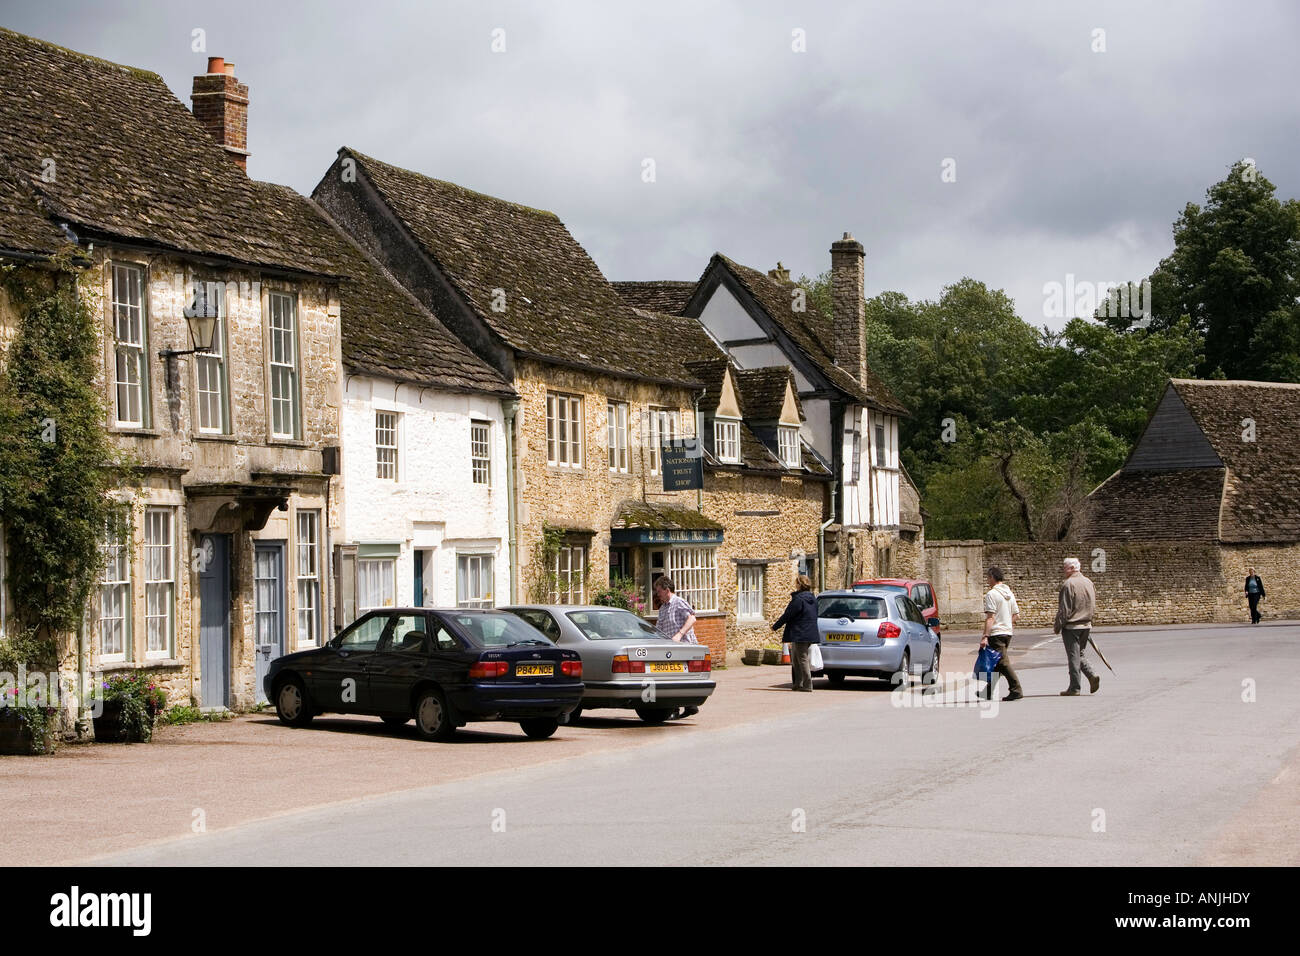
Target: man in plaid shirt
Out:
[676,622]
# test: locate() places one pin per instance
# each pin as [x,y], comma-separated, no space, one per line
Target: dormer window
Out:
[726,440]
[788,444]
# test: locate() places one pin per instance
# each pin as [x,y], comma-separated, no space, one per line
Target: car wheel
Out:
[395,721]
[539,728]
[835,677]
[903,676]
[931,675]
[572,717]
[291,704]
[432,720]
[654,715]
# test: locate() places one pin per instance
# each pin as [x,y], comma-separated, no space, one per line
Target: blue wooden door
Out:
[214,620]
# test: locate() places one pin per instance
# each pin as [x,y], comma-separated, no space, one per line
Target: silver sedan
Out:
[625,663]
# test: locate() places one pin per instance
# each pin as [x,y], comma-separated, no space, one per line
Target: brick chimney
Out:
[221,107]
[848,273]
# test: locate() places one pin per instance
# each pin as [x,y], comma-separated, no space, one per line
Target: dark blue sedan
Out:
[442,667]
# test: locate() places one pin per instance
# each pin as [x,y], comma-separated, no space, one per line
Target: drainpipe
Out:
[509,407]
[821,543]
[83,674]
[699,446]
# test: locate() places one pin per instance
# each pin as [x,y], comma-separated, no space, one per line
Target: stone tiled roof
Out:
[385,331]
[1181,505]
[1261,492]
[660,517]
[711,373]
[24,225]
[661,296]
[812,332]
[762,392]
[558,305]
[130,161]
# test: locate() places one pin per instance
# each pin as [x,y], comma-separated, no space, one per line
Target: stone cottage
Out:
[850,417]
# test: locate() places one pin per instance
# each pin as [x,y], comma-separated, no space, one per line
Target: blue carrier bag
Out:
[986,662]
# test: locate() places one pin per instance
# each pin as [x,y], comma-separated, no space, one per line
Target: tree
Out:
[1235,274]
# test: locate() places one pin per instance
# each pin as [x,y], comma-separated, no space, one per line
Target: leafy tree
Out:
[1235,274]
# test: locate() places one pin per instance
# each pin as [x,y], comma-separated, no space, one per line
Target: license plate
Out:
[534,670]
[841,638]
[667,668]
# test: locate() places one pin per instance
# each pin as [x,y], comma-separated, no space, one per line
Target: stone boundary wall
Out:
[1165,582]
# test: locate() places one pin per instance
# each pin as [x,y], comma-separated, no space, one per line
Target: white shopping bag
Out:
[815,658]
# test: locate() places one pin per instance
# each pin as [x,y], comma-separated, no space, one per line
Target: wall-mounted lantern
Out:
[201,316]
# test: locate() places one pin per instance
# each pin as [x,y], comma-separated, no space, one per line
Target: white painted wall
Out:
[727,319]
[816,428]
[435,504]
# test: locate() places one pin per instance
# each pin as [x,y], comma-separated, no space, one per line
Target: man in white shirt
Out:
[1001,613]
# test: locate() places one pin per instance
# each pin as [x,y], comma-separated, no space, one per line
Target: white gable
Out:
[727,319]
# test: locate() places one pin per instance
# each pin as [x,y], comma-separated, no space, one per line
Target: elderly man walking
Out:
[1075,603]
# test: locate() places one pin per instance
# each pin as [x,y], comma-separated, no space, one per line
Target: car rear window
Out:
[897,588]
[871,608]
[497,629]
[611,625]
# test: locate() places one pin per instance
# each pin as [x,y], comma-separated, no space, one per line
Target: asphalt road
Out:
[1166,765]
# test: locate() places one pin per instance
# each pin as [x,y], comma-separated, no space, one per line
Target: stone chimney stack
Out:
[220,104]
[848,274]
[780,273]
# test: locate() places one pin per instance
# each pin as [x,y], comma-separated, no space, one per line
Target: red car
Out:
[921,593]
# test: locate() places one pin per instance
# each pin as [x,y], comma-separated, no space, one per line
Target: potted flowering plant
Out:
[621,592]
[28,729]
[127,707]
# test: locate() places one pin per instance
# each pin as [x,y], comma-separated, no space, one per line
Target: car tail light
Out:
[571,668]
[485,669]
[705,665]
[622,665]
[888,630]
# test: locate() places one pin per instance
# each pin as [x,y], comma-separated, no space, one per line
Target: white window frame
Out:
[387,458]
[130,345]
[694,571]
[749,592]
[381,575]
[475,580]
[662,425]
[564,430]
[618,444]
[881,433]
[787,437]
[284,403]
[726,439]
[570,567]
[210,395]
[159,580]
[480,452]
[307,567]
[115,550]
[855,463]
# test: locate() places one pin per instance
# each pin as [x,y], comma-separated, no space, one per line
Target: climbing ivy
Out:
[58,464]
[543,581]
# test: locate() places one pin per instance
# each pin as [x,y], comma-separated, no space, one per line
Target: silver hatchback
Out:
[875,632]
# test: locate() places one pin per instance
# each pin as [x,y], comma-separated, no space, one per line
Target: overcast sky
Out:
[1067,160]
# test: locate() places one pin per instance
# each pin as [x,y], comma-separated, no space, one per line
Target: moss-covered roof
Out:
[659,517]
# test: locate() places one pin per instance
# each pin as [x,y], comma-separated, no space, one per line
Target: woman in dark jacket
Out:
[800,621]
[1254,594]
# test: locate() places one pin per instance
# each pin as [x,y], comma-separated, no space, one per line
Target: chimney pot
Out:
[216,64]
[230,68]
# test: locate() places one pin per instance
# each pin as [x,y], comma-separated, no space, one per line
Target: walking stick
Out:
[1100,654]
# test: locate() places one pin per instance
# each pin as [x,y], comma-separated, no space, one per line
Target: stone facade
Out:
[230,482]
[770,522]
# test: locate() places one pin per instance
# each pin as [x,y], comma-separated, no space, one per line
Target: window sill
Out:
[136,432]
[213,436]
[558,470]
[288,442]
[140,665]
